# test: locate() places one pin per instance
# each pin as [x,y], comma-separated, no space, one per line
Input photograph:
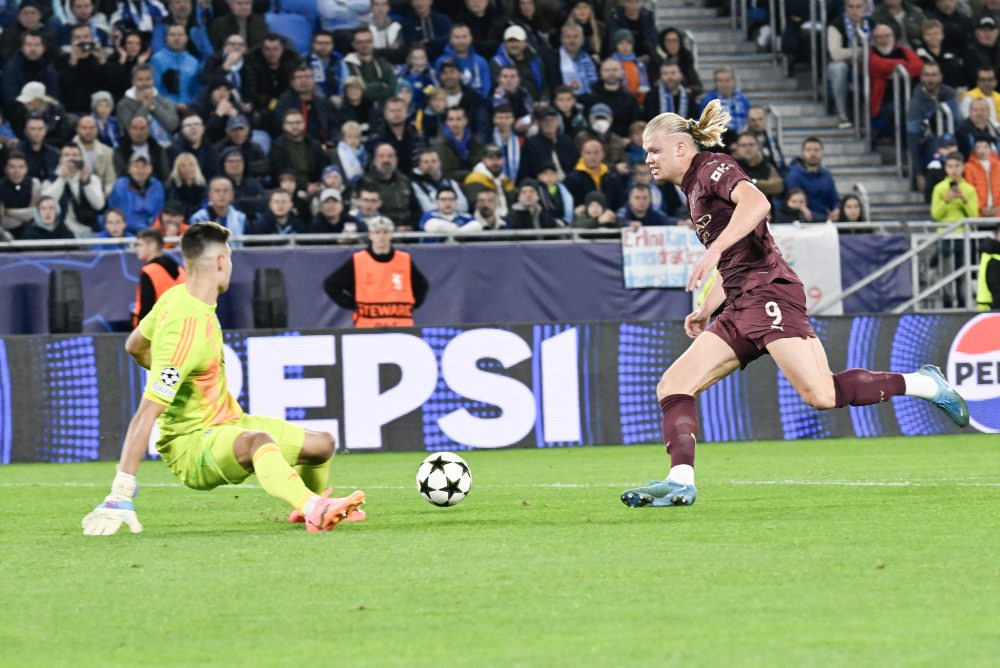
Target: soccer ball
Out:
[444,479]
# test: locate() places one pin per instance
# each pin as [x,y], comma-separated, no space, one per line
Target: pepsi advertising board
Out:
[70,398]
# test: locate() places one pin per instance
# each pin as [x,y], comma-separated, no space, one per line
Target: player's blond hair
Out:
[706,131]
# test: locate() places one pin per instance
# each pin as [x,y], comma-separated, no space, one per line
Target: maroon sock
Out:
[680,428]
[860,387]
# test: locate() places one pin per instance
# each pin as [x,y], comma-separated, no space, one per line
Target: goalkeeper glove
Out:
[117,508]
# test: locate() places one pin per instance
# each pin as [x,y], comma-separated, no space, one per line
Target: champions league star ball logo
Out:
[974,370]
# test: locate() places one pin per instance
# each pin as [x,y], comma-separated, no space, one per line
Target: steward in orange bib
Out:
[158,274]
[381,285]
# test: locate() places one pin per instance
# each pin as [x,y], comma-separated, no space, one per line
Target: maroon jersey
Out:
[752,261]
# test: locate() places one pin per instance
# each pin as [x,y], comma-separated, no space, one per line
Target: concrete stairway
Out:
[850,159]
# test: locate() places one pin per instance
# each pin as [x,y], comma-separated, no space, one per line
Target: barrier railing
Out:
[901,86]
[817,50]
[944,119]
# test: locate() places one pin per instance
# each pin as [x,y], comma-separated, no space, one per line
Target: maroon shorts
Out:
[761,315]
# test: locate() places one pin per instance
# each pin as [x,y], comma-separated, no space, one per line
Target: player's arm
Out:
[751,208]
[139,347]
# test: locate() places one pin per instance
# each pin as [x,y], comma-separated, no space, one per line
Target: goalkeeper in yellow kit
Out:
[205,437]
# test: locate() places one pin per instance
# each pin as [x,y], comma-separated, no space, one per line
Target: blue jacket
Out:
[197,35]
[188,68]
[820,188]
[235,220]
[140,208]
[475,70]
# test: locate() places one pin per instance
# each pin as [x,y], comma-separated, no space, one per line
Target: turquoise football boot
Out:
[947,399]
[660,493]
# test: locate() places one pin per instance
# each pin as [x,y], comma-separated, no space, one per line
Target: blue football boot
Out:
[947,399]
[660,493]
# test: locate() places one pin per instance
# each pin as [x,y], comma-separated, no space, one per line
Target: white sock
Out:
[919,385]
[683,474]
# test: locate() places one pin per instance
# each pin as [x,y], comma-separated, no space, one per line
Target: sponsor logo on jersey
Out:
[974,370]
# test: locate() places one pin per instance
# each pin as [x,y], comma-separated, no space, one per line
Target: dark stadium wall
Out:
[69,398]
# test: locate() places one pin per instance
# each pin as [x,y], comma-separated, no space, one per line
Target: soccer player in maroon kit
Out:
[765,305]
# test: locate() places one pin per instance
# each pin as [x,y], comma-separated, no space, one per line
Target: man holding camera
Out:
[79,193]
[81,70]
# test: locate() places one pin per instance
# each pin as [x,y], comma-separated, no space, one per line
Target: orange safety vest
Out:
[383,291]
[161,280]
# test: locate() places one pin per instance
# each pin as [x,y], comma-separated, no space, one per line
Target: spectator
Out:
[885,56]
[733,101]
[807,172]
[297,151]
[932,51]
[639,210]
[367,204]
[666,196]
[764,175]
[376,72]
[635,76]
[320,114]
[593,29]
[170,223]
[446,217]
[333,218]
[510,93]
[771,150]
[976,125]
[549,145]
[905,19]
[271,64]
[19,194]
[424,26]
[430,119]
[220,207]
[517,52]
[985,89]
[988,290]
[248,194]
[139,194]
[29,20]
[983,52]
[238,136]
[842,46]
[355,105]
[45,225]
[555,197]
[851,210]
[98,157]
[485,24]
[922,131]
[395,191]
[474,69]
[181,13]
[485,211]
[29,63]
[33,102]
[934,169]
[669,95]
[953,197]
[159,272]
[82,71]
[533,19]
[488,174]
[591,173]
[191,139]
[459,149]
[41,156]
[571,116]
[417,71]
[113,227]
[137,140]
[507,140]
[594,213]
[671,49]
[386,31]
[611,92]
[240,20]
[600,123]
[230,65]
[341,15]
[186,184]
[175,70]
[101,106]
[324,62]
[130,50]
[143,100]
[982,171]
[82,13]
[397,132]
[278,218]
[527,213]
[576,68]
[79,193]
[380,284]
[460,95]
[350,155]
[957,25]
[139,15]
[428,178]
[795,209]
[300,198]
[630,15]
[990,8]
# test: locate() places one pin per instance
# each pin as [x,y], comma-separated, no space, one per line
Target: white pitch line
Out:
[942,482]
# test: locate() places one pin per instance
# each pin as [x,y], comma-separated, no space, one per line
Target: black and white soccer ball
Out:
[444,479]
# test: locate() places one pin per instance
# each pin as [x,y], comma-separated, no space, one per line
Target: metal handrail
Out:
[862,192]
[692,46]
[733,13]
[900,86]
[824,54]
[779,127]
[772,22]
[813,52]
[944,119]
[866,87]
[857,80]
[921,295]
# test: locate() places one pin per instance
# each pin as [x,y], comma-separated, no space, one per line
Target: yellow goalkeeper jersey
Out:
[188,370]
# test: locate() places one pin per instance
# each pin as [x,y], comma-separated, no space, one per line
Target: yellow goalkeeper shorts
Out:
[205,459]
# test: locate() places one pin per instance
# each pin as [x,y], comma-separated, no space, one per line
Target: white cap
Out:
[32,90]
[515,32]
[330,192]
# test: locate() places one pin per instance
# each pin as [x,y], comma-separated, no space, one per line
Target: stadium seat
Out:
[306,8]
[270,299]
[295,28]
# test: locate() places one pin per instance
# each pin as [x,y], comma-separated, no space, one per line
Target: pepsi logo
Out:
[974,370]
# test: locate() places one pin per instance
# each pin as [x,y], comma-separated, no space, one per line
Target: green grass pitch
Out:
[882,552]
